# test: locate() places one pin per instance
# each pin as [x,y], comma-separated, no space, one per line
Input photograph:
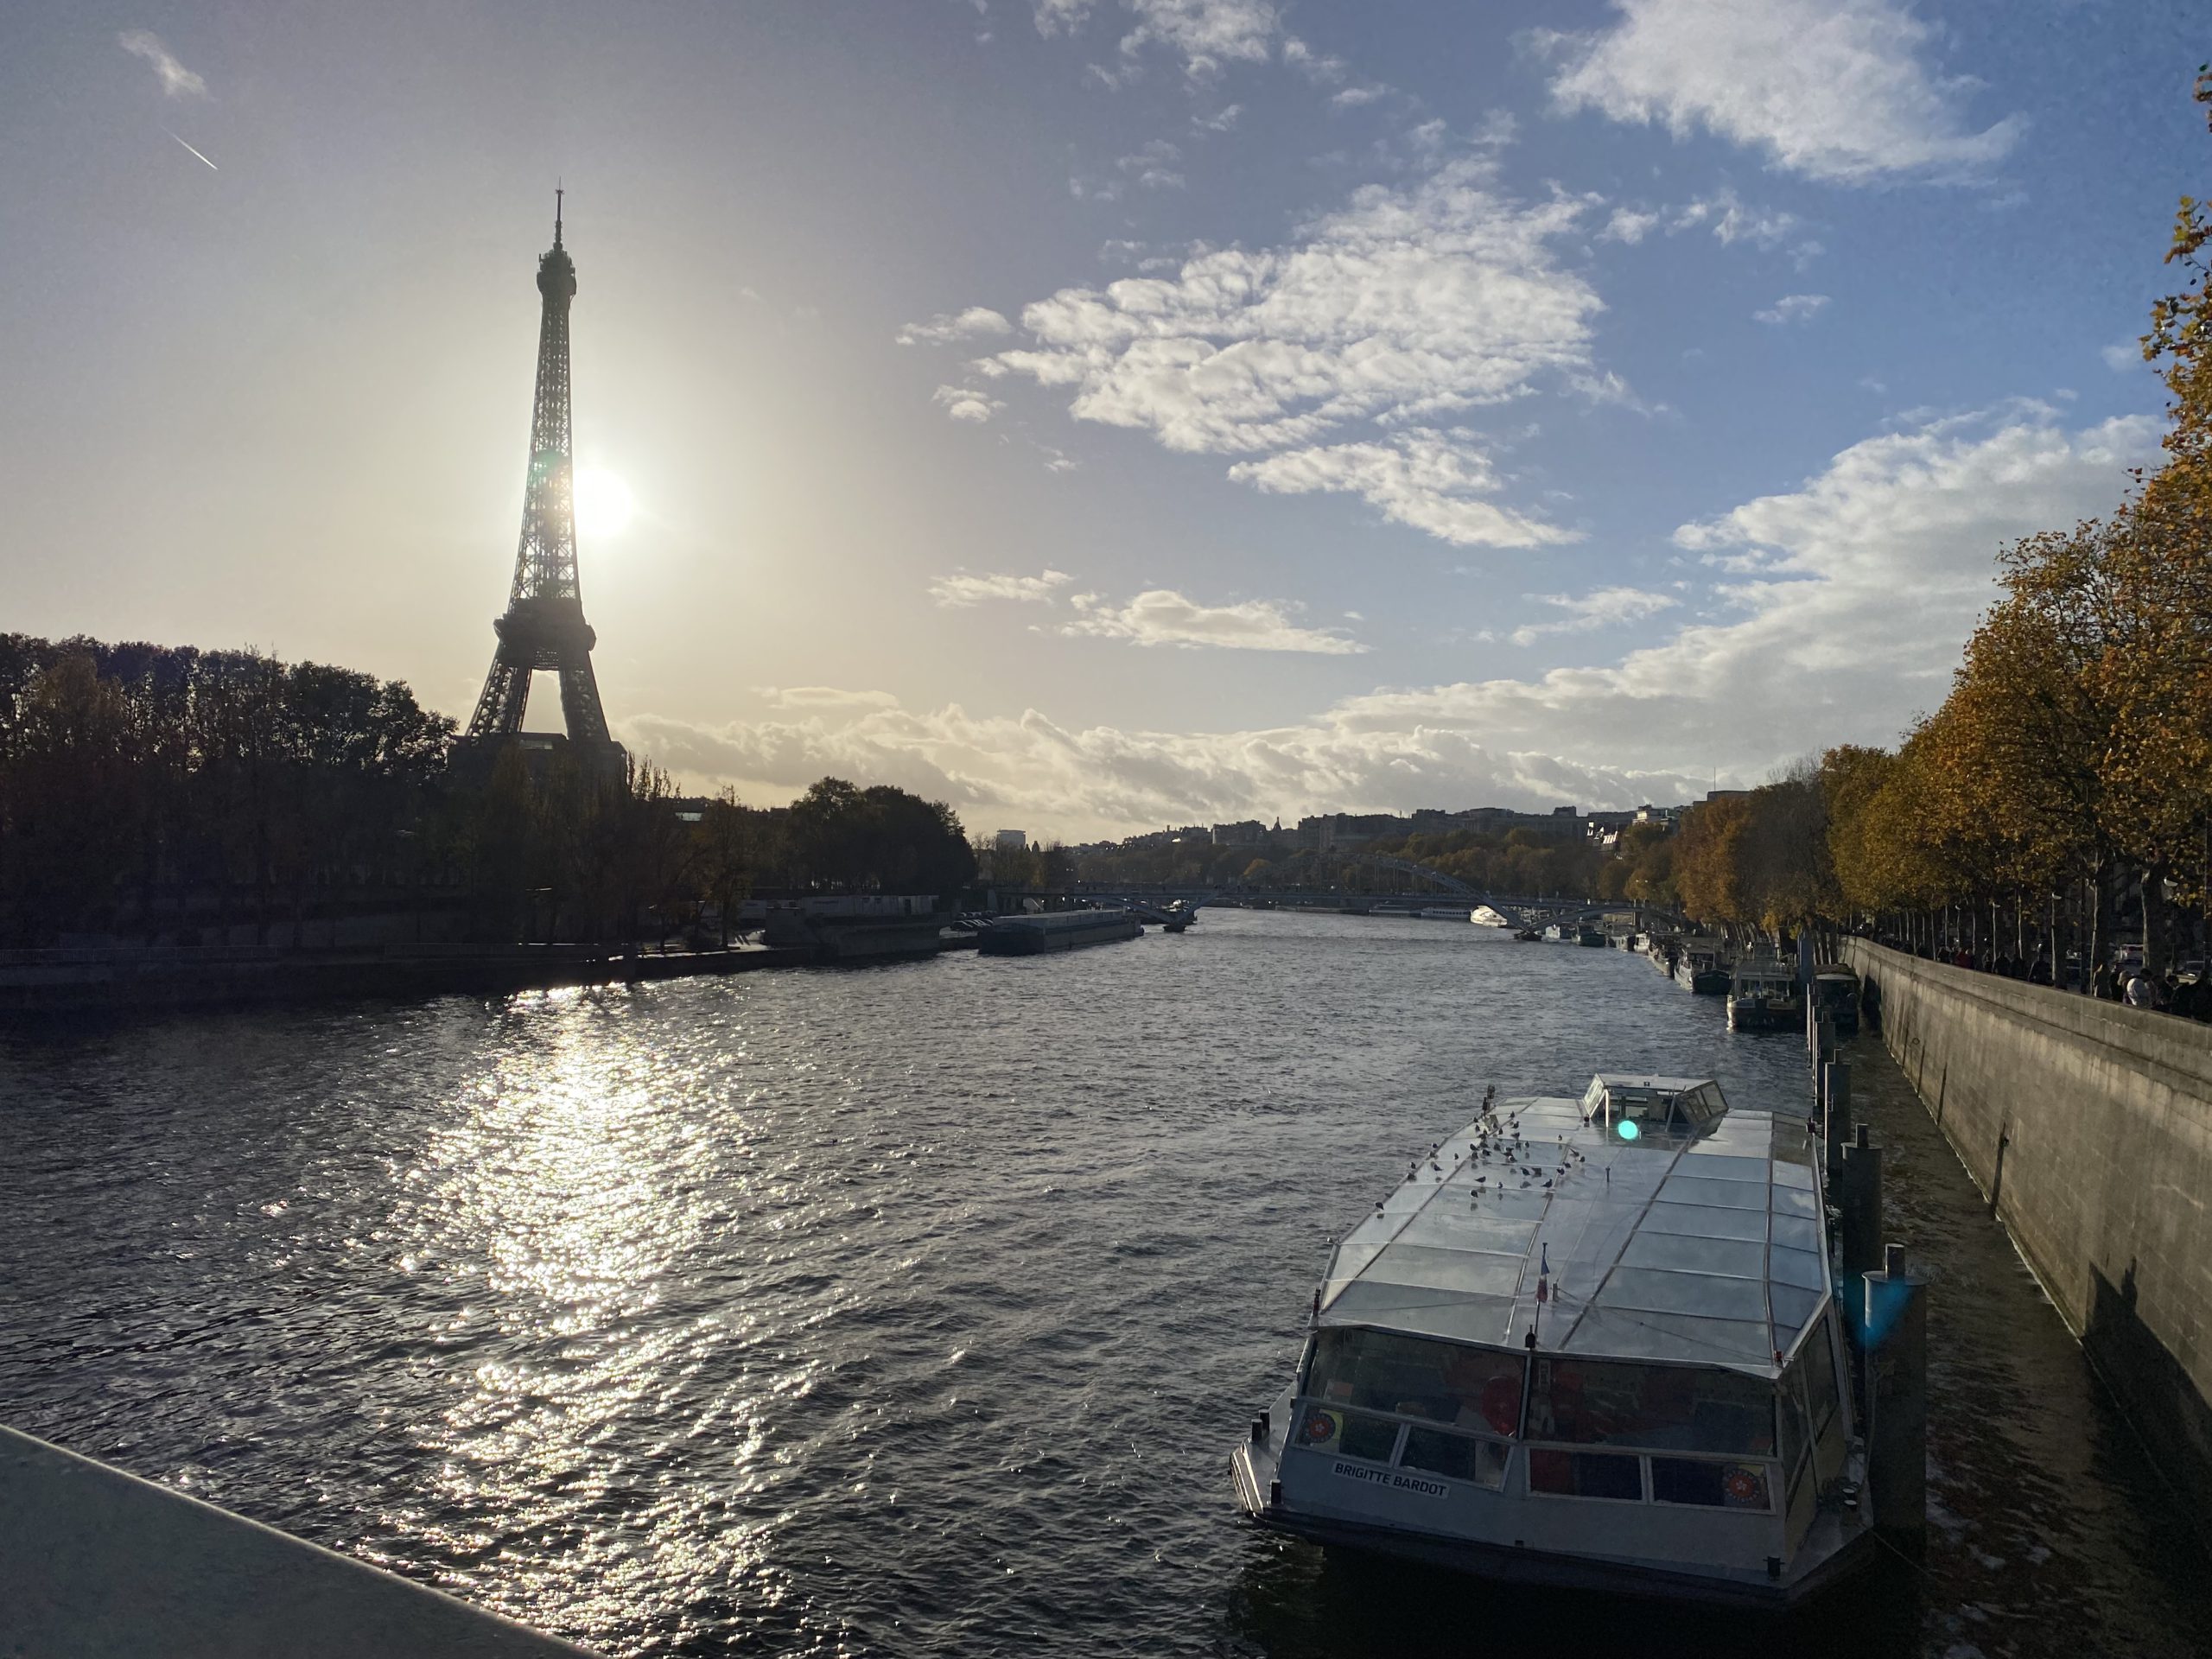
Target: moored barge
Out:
[856,927]
[1057,930]
[1764,995]
[1586,1343]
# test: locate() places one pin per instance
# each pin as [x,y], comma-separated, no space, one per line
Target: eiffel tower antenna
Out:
[544,628]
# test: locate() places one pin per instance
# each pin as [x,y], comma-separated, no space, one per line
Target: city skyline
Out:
[1231,410]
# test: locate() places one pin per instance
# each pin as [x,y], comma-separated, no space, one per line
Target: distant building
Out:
[1011,841]
[1248,832]
[1562,824]
[1339,831]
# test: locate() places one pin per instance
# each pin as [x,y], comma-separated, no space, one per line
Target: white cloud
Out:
[965,402]
[1163,617]
[1424,479]
[1792,307]
[1607,607]
[1833,89]
[954,592]
[177,82]
[975,322]
[824,696]
[1207,35]
[1857,588]
[1154,167]
[1322,69]
[1222,120]
[2124,355]
[1409,302]
[1627,225]
[1732,219]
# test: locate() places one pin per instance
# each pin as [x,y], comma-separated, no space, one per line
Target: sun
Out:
[604,504]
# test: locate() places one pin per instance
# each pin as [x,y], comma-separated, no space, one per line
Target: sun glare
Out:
[603,502]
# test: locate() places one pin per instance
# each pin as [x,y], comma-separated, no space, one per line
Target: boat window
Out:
[1472,1387]
[1354,1434]
[1828,1405]
[1710,1482]
[1456,1457]
[1820,1380]
[1370,1438]
[1795,1437]
[1663,1408]
[1585,1474]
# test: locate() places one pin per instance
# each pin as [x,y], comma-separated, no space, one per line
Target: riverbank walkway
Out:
[97,1564]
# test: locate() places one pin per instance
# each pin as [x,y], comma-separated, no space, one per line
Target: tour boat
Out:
[1484,916]
[1586,1344]
[1179,916]
[1764,995]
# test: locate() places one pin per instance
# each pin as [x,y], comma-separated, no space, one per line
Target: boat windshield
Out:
[1653,1107]
[1655,1408]
[1477,1388]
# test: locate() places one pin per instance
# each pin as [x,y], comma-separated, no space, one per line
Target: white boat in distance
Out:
[1589,1344]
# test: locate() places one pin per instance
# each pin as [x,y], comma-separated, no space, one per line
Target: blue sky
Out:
[1102,413]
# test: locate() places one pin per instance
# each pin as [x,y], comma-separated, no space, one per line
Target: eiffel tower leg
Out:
[580,708]
[506,696]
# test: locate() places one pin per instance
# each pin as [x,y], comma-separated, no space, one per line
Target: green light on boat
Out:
[1628,1130]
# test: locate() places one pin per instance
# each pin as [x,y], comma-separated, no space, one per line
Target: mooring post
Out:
[1861,1195]
[1895,1338]
[1836,1113]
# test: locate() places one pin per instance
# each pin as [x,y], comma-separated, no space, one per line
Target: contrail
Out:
[193,151]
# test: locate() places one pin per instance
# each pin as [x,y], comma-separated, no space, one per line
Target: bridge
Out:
[1518,910]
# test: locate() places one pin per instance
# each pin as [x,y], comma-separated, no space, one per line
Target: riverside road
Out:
[914,1309]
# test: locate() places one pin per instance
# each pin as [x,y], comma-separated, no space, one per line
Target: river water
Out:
[915,1310]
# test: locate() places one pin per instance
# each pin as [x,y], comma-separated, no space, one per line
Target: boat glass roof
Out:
[1703,1250]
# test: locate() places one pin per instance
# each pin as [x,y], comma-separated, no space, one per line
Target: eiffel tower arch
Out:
[544,629]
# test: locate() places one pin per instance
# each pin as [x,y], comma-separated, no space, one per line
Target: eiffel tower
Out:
[544,628]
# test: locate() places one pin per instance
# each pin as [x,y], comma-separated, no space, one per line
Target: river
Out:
[915,1310]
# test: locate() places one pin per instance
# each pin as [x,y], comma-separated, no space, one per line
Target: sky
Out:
[1100,415]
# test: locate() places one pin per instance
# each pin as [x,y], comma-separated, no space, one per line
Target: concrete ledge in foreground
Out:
[97,1564]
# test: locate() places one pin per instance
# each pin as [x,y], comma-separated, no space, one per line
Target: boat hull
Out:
[1252,1472]
[857,940]
[1745,1014]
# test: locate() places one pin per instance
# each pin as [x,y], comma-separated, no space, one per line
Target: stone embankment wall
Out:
[2089,1126]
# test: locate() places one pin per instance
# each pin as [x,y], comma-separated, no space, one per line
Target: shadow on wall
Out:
[2162,1402]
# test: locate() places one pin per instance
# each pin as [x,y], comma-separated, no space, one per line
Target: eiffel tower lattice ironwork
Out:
[544,628]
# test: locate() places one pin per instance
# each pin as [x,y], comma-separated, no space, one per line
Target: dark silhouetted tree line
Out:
[182,796]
